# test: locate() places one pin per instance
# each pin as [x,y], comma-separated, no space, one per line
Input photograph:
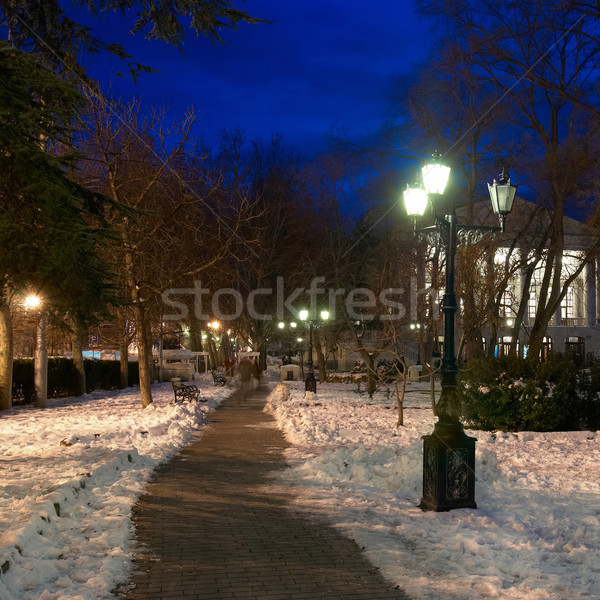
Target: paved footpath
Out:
[210,528]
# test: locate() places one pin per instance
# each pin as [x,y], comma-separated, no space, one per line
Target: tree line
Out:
[105,205]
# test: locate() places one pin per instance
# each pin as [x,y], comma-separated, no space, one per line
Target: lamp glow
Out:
[32,302]
[435,175]
[415,201]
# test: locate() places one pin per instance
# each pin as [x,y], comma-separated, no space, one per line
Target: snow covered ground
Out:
[535,534]
[69,476]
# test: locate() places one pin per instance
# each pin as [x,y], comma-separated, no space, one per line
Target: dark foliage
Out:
[62,377]
[52,29]
[518,395]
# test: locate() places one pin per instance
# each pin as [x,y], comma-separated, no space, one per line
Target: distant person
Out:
[228,366]
[245,369]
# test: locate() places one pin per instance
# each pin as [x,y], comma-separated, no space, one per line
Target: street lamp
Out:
[448,453]
[310,383]
[32,302]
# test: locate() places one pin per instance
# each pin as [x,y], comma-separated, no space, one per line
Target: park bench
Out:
[183,391]
[218,378]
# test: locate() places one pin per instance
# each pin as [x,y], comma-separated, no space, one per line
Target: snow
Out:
[70,476]
[535,534]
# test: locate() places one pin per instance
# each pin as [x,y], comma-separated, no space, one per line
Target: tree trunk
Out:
[427,354]
[40,374]
[150,357]
[124,341]
[196,344]
[473,344]
[371,372]
[160,355]
[124,361]
[212,351]
[143,337]
[400,399]
[6,356]
[76,346]
[320,358]
[262,364]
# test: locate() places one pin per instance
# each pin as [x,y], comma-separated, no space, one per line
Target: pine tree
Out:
[50,227]
[49,29]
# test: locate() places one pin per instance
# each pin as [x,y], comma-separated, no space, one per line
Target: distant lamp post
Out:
[448,453]
[416,327]
[310,383]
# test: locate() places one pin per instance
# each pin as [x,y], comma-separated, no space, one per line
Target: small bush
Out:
[99,374]
[61,377]
[518,395]
[22,383]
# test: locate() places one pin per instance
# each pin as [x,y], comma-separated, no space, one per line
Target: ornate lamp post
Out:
[448,453]
[310,383]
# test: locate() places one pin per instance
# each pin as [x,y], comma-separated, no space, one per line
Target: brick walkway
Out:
[210,529]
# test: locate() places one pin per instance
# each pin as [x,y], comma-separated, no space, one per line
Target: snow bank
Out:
[535,534]
[70,476]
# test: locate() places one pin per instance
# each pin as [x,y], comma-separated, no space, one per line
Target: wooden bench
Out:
[184,391]
[218,378]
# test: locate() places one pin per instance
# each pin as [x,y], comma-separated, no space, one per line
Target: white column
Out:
[557,320]
[524,298]
[590,293]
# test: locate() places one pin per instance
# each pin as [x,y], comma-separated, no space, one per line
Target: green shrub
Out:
[133,372]
[517,395]
[101,374]
[22,383]
[62,377]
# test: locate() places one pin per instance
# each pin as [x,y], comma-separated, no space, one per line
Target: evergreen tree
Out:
[49,29]
[50,227]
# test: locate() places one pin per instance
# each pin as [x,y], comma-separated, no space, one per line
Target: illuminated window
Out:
[506,303]
[532,305]
[566,306]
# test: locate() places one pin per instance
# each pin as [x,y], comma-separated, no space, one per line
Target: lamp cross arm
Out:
[471,234]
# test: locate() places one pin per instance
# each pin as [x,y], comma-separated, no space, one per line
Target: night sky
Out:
[321,64]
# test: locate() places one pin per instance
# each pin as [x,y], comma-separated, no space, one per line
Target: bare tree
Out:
[134,162]
[540,59]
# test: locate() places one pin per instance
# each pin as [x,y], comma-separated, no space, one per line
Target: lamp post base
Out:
[448,468]
[310,384]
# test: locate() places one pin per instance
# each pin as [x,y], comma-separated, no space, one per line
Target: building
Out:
[575,325]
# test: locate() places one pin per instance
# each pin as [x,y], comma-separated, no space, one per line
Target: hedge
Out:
[519,395]
[100,375]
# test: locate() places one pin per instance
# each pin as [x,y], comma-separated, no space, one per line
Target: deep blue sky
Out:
[321,64]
